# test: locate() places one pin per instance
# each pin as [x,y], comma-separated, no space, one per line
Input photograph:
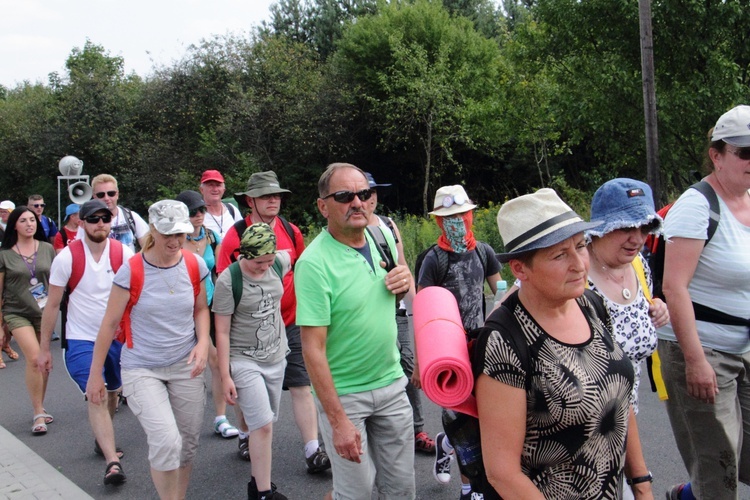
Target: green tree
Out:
[430,83]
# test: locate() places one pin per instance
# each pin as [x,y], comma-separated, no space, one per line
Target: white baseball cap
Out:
[733,127]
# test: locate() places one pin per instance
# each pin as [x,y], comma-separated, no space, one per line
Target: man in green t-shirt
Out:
[345,304]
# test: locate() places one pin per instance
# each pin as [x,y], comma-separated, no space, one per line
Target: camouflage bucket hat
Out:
[257,240]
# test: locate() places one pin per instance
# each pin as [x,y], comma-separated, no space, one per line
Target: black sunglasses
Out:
[94,219]
[348,196]
[741,153]
[195,211]
[102,194]
[37,205]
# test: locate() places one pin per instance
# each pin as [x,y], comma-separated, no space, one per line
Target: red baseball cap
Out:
[212,175]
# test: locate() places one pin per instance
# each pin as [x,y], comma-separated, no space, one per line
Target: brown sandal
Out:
[10,352]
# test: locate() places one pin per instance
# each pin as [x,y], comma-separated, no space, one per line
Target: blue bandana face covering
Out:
[455,231]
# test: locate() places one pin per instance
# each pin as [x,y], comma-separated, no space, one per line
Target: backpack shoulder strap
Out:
[191,262]
[63,236]
[115,255]
[389,224]
[714,209]
[230,208]
[442,259]
[289,230]
[240,227]
[211,238]
[640,272]
[482,253]
[130,220]
[376,233]
[236,274]
[78,265]
[136,286]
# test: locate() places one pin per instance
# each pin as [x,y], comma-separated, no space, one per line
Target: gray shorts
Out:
[258,390]
[169,406]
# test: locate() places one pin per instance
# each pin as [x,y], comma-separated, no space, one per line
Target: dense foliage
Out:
[501,98]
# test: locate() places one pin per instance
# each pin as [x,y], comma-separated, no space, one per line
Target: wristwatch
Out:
[642,479]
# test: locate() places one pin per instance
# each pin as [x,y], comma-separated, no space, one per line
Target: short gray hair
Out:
[324,184]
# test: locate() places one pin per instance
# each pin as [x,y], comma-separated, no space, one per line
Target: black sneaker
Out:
[318,462]
[243,445]
[442,469]
[472,495]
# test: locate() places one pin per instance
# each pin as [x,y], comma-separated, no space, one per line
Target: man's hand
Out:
[398,280]
[44,361]
[347,441]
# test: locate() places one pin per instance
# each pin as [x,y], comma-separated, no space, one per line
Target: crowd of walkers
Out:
[148,305]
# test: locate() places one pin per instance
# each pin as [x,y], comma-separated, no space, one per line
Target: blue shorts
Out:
[78,357]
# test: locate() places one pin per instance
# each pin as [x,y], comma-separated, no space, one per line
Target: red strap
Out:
[124,333]
[115,255]
[79,264]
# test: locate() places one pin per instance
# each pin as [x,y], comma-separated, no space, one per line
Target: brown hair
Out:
[720,146]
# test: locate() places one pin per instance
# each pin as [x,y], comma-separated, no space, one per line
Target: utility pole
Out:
[649,100]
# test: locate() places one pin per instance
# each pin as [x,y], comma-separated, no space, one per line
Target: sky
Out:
[37,36]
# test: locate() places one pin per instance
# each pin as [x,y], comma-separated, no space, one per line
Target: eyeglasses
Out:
[102,194]
[37,205]
[741,153]
[269,196]
[94,219]
[348,196]
[196,211]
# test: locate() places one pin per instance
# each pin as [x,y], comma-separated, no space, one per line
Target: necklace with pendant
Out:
[626,293]
[197,241]
[30,262]
[170,286]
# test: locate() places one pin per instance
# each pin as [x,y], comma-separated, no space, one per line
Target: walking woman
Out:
[25,261]
[553,387]
[706,352]
[167,345]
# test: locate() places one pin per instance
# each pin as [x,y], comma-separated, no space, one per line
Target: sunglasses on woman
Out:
[102,194]
[348,196]
[196,211]
[741,153]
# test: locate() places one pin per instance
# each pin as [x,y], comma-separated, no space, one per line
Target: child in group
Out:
[252,345]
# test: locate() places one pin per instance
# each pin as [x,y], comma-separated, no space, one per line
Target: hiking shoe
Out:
[442,469]
[675,492]
[318,462]
[226,429]
[423,443]
[253,493]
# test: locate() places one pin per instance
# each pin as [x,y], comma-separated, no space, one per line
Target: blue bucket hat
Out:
[623,203]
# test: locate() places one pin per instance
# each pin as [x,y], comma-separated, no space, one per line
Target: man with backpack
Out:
[128,227]
[82,274]
[220,216]
[263,197]
[36,204]
[460,264]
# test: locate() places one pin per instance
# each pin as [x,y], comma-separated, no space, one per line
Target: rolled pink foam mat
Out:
[444,366]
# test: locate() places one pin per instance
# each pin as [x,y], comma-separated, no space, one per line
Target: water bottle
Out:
[463,432]
[502,287]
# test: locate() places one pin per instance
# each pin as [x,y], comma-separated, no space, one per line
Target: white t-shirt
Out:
[121,231]
[89,299]
[220,224]
[722,277]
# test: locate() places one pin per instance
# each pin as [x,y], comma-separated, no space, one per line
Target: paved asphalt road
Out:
[218,472]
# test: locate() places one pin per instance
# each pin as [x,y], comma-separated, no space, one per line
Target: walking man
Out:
[36,204]
[263,197]
[346,312]
[86,268]
[220,216]
[127,227]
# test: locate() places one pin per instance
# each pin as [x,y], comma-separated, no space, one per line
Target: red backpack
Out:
[76,273]
[124,333]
